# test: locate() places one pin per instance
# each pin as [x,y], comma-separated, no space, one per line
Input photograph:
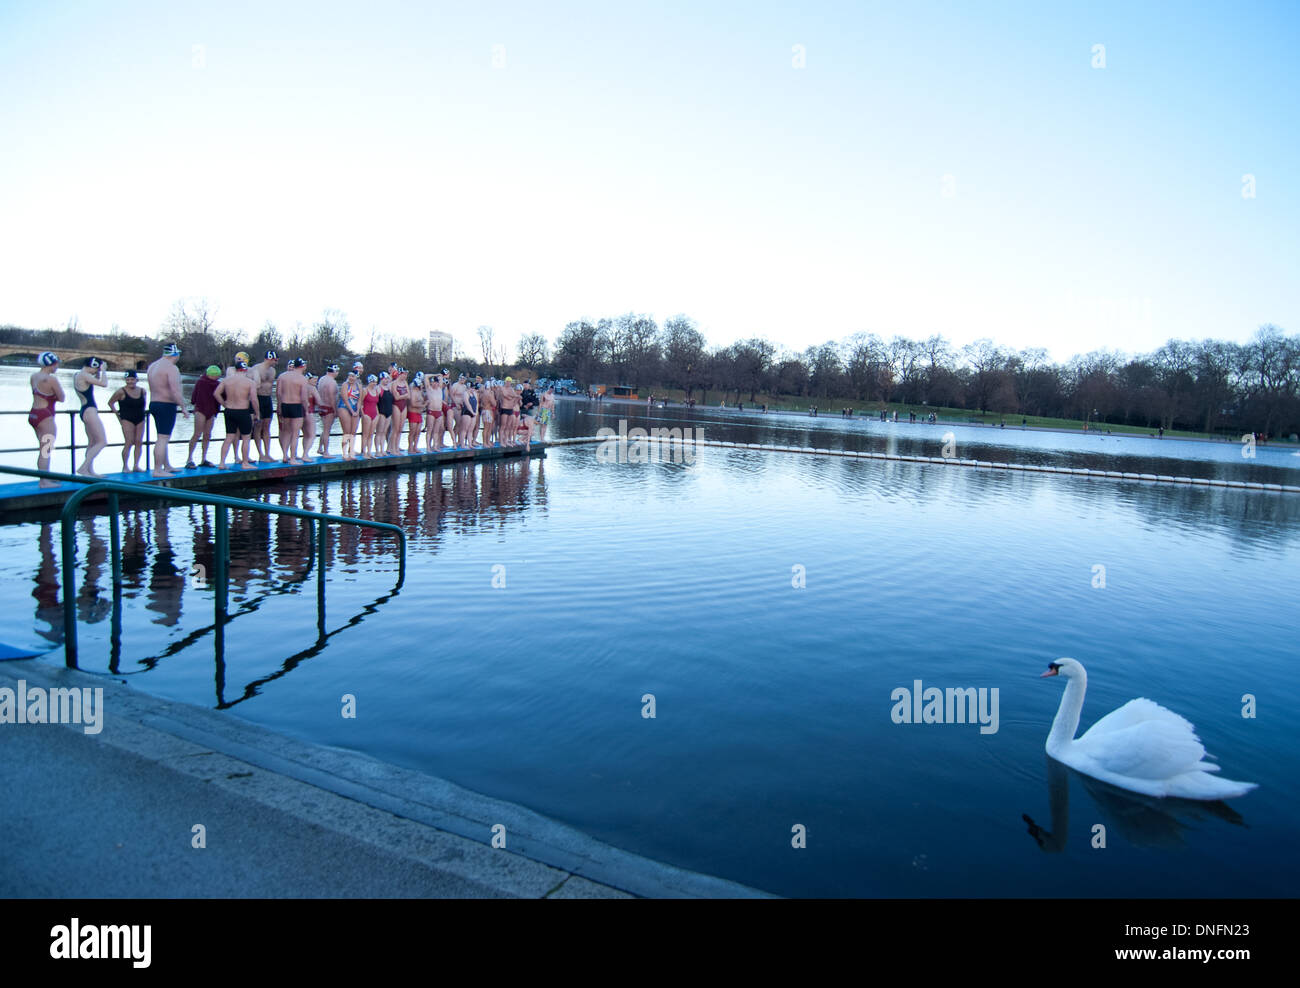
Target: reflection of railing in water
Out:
[221,546]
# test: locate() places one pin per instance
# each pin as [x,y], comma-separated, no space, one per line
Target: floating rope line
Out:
[944,461]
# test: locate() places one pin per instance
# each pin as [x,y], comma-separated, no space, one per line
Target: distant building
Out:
[441,347]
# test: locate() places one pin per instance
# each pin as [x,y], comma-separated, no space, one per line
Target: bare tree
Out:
[533,349]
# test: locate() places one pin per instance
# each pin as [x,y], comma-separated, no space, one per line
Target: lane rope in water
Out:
[946,461]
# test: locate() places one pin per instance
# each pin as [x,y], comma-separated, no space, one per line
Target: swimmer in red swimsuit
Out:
[46,393]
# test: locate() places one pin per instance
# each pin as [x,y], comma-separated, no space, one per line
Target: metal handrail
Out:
[222,547]
[147,442]
[114,488]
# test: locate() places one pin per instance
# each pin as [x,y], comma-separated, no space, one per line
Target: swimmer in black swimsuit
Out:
[93,374]
[130,397]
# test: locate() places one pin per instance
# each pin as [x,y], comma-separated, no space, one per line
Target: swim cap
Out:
[240,364]
[241,355]
[48,358]
[131,373]
[92,362]
[331,368]
[214,370]
[171,350]
[371,379]
[510,380]
[271,355]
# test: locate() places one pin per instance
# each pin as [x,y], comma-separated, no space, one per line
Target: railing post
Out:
[115,543]
[320,574]
[222,574]
[72,441]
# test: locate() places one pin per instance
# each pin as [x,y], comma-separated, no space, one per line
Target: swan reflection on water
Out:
[1143,821]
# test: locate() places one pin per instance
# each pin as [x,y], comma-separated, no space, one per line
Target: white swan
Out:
[1141,746]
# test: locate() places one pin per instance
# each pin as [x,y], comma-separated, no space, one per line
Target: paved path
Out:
[112,815]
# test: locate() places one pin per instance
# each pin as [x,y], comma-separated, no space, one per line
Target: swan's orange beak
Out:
[1050,672]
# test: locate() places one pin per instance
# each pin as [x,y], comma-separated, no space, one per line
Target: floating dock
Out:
[28,496]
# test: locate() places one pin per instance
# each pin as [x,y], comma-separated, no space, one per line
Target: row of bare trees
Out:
[1204,385]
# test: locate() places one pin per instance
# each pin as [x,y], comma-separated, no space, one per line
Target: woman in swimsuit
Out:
[385,416]
[94,373]
[349,410]
[130,417]
[369,413]
[415,417]
[468,416]
[46,393]
[401,398]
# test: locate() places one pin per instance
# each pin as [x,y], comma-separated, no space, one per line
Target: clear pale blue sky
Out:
[661,158]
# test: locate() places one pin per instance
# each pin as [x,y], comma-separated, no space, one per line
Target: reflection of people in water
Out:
[91,606]
[46,592]
[165,584]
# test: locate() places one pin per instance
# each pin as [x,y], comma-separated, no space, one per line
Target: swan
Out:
[1141,746]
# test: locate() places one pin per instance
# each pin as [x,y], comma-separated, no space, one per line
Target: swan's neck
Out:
[1067,716]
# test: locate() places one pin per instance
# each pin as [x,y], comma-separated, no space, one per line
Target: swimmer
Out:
[238,393]
[166,400]
[203,404]
[46,393]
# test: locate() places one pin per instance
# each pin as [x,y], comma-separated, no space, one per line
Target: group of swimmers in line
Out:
[474,413]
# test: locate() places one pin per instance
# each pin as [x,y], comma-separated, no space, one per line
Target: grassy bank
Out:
[831,407]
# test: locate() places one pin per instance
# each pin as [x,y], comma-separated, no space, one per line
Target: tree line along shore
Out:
[1192,388]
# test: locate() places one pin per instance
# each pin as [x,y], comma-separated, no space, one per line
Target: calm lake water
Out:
[772,700]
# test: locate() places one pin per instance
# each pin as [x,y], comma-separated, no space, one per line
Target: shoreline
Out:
[111,815]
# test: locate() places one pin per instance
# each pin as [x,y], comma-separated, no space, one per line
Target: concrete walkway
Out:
[112,815]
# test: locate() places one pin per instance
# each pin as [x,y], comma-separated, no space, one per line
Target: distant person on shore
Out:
[203,404]
[263,378]
[130,416]
[46,393]
[1162,432]
[291,395]
[93,374]
[238,393]
[165,402]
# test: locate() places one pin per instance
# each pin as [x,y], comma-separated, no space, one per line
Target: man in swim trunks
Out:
[238,394]
[291,390]
[328,389]
[487,403]
[433,420]
[509,412]
[459,411]
[165,400]
[263,378]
